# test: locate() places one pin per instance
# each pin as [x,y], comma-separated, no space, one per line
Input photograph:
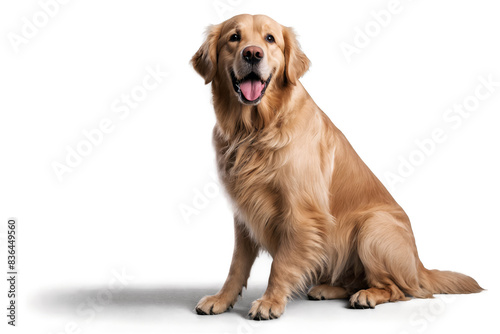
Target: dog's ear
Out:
[204,60]
[296,62]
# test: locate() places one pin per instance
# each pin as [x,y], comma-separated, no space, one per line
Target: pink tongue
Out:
[251,89]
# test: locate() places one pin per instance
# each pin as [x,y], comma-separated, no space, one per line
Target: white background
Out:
[119,210]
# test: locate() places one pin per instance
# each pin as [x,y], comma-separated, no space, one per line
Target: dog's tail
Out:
[436,281]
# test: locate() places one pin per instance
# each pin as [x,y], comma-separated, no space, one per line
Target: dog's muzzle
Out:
[250,88]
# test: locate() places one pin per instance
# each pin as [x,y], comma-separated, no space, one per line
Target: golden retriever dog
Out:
[298,188]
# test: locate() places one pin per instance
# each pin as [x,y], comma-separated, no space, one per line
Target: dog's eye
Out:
[270,38]
[235,37]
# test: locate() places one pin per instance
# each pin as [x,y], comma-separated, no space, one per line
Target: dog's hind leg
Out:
[386,248]
[326,291]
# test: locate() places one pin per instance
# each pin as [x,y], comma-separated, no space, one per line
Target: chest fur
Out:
[251,174]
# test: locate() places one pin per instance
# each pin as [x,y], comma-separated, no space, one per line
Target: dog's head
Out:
[252,54]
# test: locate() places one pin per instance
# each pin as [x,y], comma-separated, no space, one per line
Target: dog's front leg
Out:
[292,262]
[244,254]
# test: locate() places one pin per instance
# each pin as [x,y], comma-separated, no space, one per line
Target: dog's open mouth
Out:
[251,88]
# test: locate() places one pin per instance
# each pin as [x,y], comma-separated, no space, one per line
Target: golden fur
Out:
[299,190]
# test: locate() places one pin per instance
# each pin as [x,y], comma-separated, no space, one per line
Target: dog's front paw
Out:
[266,309]
[215,304]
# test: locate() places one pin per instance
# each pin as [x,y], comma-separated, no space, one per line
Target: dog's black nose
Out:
[252,54]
